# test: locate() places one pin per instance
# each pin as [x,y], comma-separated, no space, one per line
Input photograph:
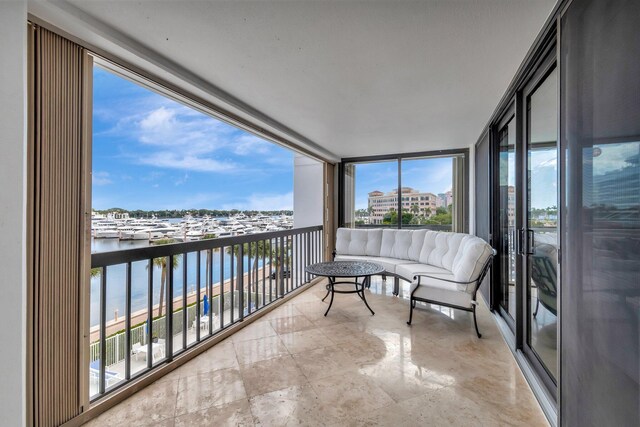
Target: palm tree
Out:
[251,250]
[162,263]
[209,254]
[282,260]
[278,257]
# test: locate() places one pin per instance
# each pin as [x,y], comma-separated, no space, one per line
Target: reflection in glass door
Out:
[541,234]
[507,216]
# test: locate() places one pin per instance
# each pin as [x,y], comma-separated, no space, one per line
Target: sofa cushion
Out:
[358,242]
[472,254]
[402,244]
[428,245]
[389,264]
[408,271]
[440,291]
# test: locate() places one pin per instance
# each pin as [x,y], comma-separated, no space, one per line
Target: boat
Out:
[106,233]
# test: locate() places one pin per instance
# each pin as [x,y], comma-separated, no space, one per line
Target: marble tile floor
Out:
[296,367]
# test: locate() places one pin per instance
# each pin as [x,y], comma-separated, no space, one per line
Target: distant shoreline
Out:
[180,213]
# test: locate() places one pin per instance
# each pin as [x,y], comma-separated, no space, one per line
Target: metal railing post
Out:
[103,327]
[198,284]
[281,259]
[221,290]
[232,284]
[149,342]
[127,325]
[307,255]
[184,301]
[240,276]
[169,311]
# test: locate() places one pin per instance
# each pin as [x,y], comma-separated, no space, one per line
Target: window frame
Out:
[398,158]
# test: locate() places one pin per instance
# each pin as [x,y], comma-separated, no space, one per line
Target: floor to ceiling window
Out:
[526,194]
[406,191]
[541,212]
[507,214]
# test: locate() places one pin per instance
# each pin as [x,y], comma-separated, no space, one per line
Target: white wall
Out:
[307,192]
[13,42]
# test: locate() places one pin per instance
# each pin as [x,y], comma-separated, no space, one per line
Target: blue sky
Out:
[150,152]
[543,167]
[426,175]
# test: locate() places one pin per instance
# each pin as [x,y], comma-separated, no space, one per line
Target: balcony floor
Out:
[296,367]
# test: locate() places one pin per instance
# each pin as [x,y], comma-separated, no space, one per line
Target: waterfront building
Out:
[412,200]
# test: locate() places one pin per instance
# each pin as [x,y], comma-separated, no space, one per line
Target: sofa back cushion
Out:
[402,244]
[473,253]
[440,249]
[358,242]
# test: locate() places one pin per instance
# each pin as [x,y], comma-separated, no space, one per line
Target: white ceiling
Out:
[356,78]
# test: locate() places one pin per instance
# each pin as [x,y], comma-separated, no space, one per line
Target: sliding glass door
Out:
[541,242]
[507,216]
[526,197]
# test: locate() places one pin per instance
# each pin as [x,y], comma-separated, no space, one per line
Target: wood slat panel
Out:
[328,217]
[58,204]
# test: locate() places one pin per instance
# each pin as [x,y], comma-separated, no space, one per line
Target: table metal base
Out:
[359,289]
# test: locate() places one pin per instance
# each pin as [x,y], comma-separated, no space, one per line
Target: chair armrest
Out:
[334,253]
[478,280]
[419,275]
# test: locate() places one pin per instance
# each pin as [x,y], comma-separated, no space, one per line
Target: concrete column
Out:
[307,192]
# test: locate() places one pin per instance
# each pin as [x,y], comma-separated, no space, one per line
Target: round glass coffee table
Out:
[344,270]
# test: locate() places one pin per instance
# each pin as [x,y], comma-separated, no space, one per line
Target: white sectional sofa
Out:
[444,268]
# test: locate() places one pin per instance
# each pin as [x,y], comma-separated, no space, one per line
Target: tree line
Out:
[179,213]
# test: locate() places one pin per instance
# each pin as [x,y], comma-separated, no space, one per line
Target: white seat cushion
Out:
[439,291]
[358,242]
[389,264]
[407,271]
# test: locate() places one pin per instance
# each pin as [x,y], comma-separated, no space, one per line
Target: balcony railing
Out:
[206,285]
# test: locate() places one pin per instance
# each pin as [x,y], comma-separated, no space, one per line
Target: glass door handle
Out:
[519,241]
[530,242]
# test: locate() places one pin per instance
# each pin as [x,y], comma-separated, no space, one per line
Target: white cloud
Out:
[100,178]
[168,159]
[188,140]
[544,159]
[613,157]
[159,119]
[152,176]
[265,202]
[177,127]
[248,144]
[182,180]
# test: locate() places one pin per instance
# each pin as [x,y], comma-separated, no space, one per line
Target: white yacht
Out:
[105,233]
